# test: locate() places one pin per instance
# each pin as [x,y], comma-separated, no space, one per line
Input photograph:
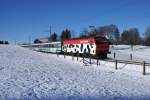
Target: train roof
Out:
[35,44]
[83,40]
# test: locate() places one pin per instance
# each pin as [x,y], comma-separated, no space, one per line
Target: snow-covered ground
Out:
[26,74]
[139,53]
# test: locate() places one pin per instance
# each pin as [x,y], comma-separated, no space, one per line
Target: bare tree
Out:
[147,33]
[73,33]
[110,31]
[131,37]
[147,37]
[84,33]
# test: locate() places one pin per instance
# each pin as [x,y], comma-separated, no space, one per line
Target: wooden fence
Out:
[143,64]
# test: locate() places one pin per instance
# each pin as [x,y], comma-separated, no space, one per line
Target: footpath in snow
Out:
[26,74]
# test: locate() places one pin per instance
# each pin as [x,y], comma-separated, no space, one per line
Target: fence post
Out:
[57,54]
[114,55]
[130,56]
[90,58]
[97,61]
[144,69]
[72,56]
[83,58]
[77,56]
[116,64]
[65,54]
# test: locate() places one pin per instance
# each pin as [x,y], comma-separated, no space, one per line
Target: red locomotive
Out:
[96,46]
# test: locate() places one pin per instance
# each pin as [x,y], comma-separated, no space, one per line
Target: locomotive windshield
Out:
[101,40]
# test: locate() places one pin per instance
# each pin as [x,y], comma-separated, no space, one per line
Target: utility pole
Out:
[15,41]
[50,30]
[29,39]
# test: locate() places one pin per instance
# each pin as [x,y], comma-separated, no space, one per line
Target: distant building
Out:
[42,40]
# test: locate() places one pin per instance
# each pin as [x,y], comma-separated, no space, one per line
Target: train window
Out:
[56,45]
[52,46]
[45,45]
[101,40]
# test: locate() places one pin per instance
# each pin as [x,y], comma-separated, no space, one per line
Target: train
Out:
[52,47]
[95,46]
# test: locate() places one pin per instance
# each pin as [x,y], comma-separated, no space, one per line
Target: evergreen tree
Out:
[66,34]
[53,37]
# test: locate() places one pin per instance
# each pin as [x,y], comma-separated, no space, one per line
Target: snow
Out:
[26,74]
[139,53]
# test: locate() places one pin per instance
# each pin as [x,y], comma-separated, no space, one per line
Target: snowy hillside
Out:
[26,74]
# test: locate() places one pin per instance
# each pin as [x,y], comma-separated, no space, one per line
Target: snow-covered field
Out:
[26,74]
[139,53]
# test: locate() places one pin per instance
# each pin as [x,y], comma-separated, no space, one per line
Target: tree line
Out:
[65,34]
[4,42]
[130,36]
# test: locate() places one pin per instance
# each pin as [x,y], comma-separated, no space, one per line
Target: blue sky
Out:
[20,19]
